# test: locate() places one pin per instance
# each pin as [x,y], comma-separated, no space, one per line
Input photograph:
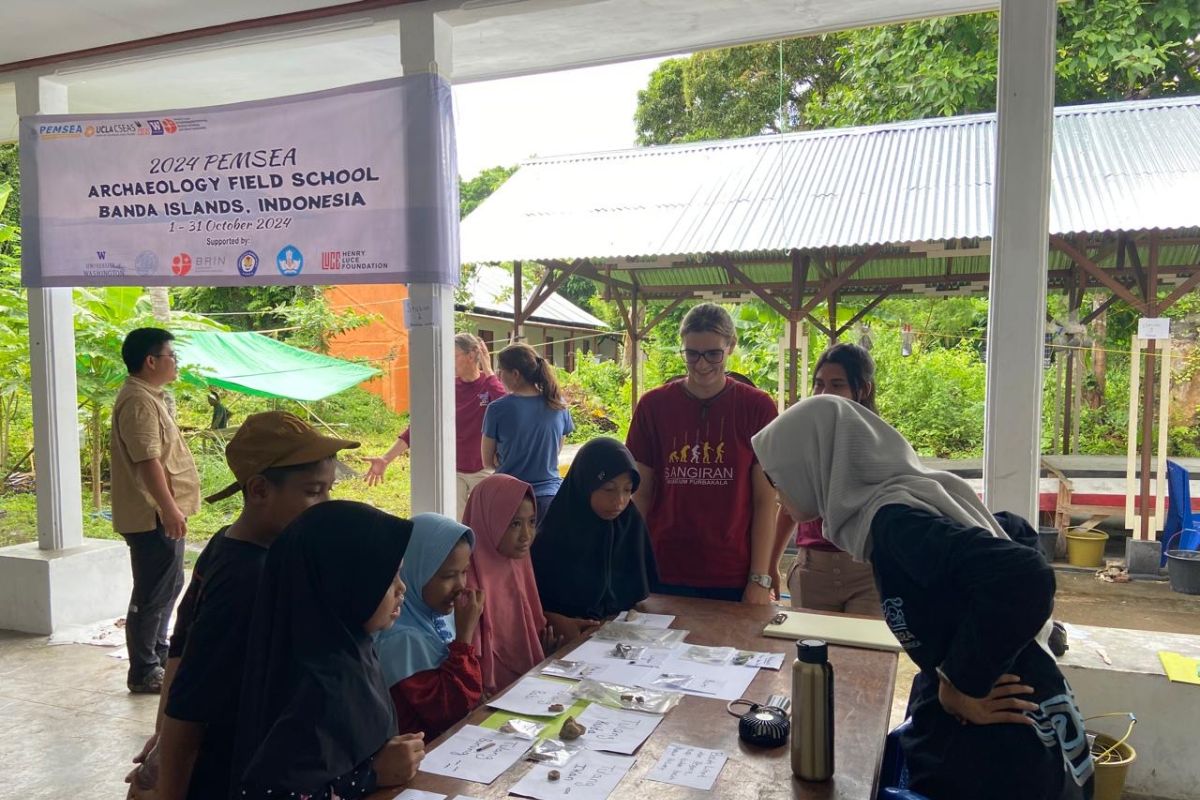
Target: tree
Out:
[1107,50]
[473,192]
[738,91]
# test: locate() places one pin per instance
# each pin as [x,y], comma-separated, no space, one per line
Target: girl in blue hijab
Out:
[427,657]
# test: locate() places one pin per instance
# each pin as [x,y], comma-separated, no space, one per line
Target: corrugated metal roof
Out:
[491,291]
[1128,166]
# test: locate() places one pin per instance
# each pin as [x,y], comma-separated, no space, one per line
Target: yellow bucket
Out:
[1085,547]
[1113,758]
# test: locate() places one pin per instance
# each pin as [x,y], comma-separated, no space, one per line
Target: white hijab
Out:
[834,458]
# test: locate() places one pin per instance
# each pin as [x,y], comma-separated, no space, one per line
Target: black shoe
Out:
[151,684]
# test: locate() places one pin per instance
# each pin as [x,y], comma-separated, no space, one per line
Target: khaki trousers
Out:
[830,580]
[465,483]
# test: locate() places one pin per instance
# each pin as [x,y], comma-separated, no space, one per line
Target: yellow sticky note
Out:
[1180,668]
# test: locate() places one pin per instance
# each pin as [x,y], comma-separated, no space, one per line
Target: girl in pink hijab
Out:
[513,635]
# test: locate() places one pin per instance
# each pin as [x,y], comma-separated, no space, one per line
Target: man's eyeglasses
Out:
[711,356]
[168,354]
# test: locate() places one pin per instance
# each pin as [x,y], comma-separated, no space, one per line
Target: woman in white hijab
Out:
[992,715]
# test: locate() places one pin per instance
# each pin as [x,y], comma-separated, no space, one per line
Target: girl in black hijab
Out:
[315,717]
[592,556]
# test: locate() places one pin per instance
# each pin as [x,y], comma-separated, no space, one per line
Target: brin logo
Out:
[181,264]
[247,263]
[290,261]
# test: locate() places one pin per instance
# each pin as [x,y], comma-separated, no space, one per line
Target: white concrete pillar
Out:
[1020,241]
[425,46]
[52,367]
[64,579]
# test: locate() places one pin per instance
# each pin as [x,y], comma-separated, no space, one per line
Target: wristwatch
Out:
[762,580]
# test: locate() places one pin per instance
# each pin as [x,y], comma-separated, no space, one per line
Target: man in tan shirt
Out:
[155,488]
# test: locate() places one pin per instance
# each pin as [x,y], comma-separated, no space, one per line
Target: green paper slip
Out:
[553,724]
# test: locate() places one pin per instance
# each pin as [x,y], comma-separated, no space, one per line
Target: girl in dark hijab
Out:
[316,720]
[592,556]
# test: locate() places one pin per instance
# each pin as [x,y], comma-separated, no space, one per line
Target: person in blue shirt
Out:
[524,431]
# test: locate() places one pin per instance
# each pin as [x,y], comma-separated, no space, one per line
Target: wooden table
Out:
[863,680]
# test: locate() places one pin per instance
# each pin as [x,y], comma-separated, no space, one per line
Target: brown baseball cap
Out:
[274,439]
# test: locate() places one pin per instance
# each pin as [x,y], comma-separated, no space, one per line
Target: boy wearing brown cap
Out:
[282,466]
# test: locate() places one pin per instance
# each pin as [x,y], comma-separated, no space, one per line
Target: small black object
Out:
[764,726]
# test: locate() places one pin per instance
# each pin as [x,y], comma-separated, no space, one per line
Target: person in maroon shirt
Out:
[427,656]
[475,387]
[823,578]
[709,508]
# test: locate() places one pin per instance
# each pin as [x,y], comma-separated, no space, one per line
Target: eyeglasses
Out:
[169,354]
[711,356]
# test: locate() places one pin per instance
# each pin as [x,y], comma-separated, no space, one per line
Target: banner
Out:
[353,185]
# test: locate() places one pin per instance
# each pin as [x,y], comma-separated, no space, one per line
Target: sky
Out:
[504,122]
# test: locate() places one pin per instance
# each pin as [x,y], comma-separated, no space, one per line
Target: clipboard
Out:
[872,634]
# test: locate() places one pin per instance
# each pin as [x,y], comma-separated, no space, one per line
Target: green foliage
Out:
[473,192]
[314,322]
[14,338]
[934,397]
[597,393]
[738,91]
[10,216]
[1107,50]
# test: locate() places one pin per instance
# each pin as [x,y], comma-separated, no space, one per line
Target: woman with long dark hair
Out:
[524,431]
[824,578]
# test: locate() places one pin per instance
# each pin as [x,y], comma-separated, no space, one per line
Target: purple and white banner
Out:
[352,185]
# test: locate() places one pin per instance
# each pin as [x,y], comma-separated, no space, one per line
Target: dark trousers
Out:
[157,580]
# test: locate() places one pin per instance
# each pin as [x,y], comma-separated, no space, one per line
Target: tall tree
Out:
[1107,50]
[738,91]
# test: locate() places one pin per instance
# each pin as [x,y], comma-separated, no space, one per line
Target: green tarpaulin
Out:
[252,363]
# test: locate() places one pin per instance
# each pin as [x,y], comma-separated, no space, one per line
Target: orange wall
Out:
[383,342]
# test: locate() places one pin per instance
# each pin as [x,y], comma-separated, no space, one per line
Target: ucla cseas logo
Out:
[247,263]
[290,261]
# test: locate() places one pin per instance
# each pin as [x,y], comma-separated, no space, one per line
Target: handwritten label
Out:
[588,776]
[1154,328]
[615,730]
[420,313]
[697,767]
[474,754]
[749,658]
[417,794]
[534,697]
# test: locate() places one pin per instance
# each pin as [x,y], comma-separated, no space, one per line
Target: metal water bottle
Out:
[812,711]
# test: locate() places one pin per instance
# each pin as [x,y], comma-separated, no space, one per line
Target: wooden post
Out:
[799,279]
[793,361]
[833,326]
[635,356]
[1150,294]
[518,311]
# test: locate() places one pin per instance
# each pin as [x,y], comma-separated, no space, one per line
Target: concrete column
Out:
[425,46]
[64,579]
[1020,240]
[52,368]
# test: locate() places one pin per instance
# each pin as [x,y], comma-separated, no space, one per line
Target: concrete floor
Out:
[68,727]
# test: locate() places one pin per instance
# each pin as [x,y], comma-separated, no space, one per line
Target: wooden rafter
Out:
[763,294]
[1118,288]
[830,288]
[867,309]
[1098,310]
[660,316]
[548,285]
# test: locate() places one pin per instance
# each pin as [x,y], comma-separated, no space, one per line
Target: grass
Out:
[354,414]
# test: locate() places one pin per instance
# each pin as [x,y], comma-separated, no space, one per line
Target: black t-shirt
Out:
[187,605]
[208,680]
[969,604]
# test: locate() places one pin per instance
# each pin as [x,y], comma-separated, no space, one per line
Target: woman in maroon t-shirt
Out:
[475,387]
[823,578]
[709,508]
